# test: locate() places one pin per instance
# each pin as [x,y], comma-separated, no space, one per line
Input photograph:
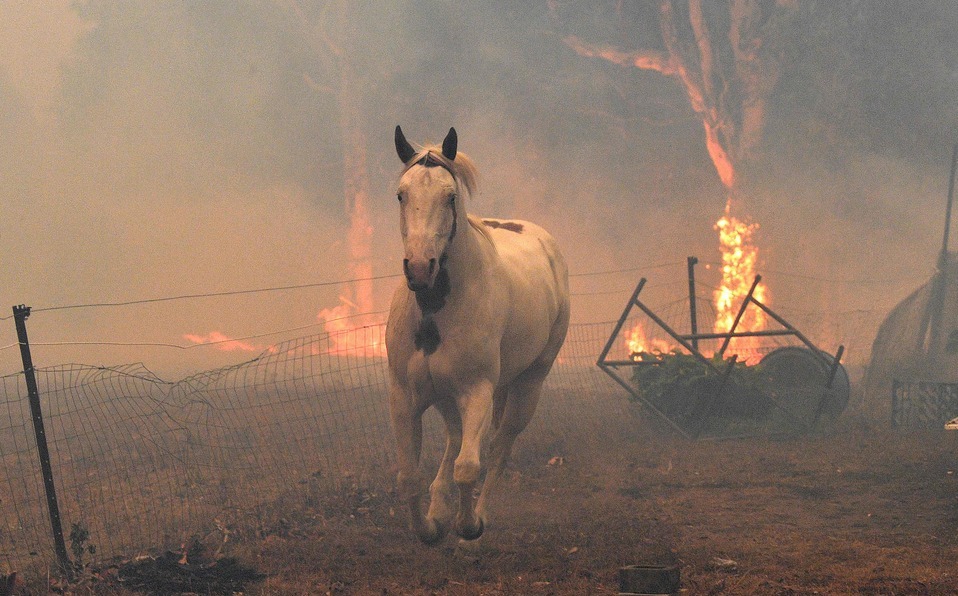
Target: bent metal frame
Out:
[689,342]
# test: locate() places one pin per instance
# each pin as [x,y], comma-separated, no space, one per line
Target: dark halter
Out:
[429,161]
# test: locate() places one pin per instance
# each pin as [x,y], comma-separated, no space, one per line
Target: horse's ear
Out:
[449,145]
[403,148]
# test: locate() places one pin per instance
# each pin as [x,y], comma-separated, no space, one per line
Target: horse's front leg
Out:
[475,408]
[441,504]
[407,428]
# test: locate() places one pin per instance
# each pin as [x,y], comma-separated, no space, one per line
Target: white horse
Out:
[473,331]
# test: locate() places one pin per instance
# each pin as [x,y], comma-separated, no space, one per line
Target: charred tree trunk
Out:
[730,97]
[727,75]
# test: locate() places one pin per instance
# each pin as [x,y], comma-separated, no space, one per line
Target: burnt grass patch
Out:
[171,573]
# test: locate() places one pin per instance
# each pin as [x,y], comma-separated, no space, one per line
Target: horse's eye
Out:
[399,198]
[452,199]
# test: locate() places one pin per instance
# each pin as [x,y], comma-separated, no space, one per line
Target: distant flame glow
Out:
[638,343]
[222,342]
[350,334]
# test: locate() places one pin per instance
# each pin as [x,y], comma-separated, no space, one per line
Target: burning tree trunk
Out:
[728,80]
[356,188]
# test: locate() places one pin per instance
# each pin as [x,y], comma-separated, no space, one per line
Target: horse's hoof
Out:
[433,538]
[472,534]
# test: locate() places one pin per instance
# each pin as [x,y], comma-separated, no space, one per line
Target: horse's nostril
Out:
[405,266]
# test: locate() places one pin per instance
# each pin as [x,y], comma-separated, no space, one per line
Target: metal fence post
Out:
[20,314]
[693,318]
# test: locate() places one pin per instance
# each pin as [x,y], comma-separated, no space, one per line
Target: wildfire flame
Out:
[739,262]
[350,334]
[739,268]
[222,342]
[638,343]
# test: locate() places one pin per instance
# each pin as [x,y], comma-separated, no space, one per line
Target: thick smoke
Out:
[155,149]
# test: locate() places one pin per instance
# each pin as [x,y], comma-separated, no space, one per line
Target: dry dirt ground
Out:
[853,509]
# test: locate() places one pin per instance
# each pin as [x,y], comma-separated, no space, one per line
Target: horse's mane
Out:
[462,168]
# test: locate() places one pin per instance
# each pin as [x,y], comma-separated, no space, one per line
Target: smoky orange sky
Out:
[154,151]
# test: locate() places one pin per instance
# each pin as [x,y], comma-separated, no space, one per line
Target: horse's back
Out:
[539,291]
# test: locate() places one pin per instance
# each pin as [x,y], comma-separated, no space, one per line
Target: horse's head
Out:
[429,207]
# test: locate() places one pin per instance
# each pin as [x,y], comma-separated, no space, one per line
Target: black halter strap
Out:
[429,161]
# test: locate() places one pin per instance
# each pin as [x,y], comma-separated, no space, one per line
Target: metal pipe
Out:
[645,402]
[675,336]
[692,261]
[618,325]
[808,343]
[832,372]
[738,317]
[765,333]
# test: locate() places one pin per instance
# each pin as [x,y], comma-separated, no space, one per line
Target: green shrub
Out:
[682,387]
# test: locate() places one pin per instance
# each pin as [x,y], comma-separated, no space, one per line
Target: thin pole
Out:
[738,317]
[808,343]
[665,327]
[832,372]
[618,325]
[937,298]
[943,257]
[692,314]
[608,366]
[20,314]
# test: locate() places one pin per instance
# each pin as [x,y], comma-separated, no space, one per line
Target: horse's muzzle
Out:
[420,273]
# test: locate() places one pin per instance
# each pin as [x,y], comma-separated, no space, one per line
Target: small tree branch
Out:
[706,57]
[312,84]
[643,59]
[677,58]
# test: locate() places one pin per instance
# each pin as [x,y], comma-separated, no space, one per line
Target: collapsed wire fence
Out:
[142,464]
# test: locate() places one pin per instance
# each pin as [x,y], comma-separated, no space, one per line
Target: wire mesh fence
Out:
[142,464]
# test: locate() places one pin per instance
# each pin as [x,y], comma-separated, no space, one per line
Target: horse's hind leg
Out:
[520,405]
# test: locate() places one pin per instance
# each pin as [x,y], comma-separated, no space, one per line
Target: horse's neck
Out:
[468,256]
